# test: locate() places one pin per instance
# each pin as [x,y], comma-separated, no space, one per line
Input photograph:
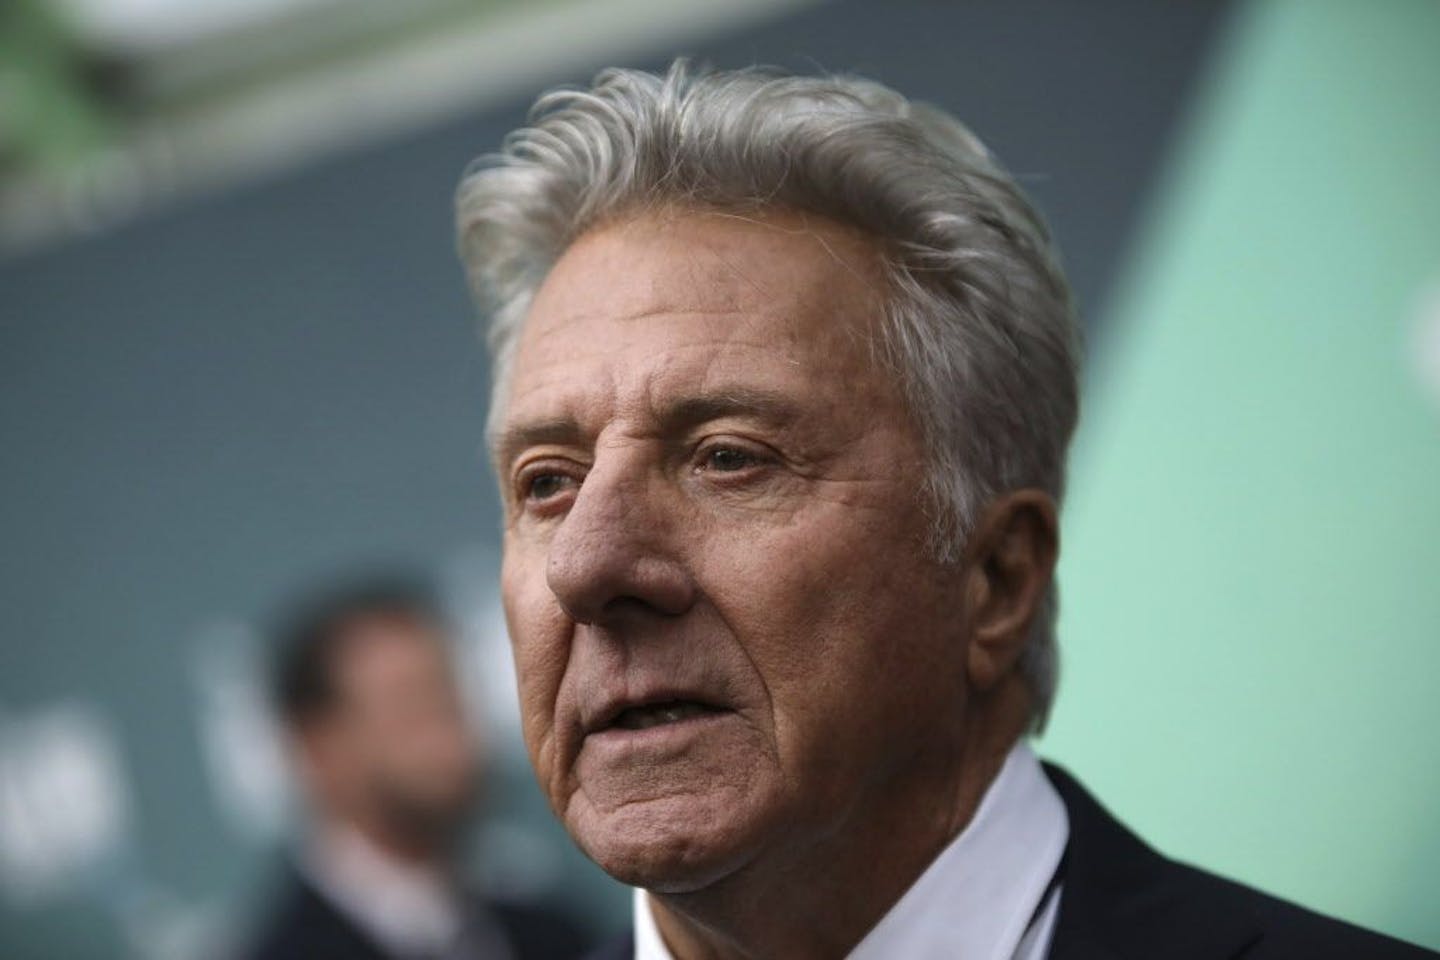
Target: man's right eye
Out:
[543,486]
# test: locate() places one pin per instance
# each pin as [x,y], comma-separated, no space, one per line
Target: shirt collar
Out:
[977,897]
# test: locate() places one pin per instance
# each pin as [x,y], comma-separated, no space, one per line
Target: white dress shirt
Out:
[981,898]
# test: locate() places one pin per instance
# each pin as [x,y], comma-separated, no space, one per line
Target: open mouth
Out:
[661,713]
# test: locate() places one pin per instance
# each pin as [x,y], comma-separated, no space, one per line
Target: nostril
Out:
[622,607]
[606,585]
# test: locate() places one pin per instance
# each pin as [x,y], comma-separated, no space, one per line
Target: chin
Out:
[669,845]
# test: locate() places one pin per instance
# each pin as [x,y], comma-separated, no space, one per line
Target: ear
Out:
[1010,559]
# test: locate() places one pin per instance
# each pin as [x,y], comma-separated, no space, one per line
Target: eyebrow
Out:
[768,407]
[523,436]
[764,405]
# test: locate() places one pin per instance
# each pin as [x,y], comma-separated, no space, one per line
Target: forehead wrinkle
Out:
[655,403]
[817,294]
[691,286]
[770,407]
[661,386]
[868,270]
[635,382]
[554,422]
[712,270]
[559,326]
[559,431]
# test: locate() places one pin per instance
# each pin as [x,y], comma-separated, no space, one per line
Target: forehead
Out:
[683,301]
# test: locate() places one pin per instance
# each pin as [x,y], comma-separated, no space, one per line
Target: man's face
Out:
[397,735]
[730,637]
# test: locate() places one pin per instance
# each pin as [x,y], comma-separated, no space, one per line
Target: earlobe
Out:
[1010,560]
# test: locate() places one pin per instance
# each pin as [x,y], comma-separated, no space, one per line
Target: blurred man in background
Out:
[366,691]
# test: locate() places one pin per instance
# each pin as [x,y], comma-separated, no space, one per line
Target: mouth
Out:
[653,709]
[660,713]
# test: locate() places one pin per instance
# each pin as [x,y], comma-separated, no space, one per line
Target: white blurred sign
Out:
[64,807]
[1427,342]
[240,740]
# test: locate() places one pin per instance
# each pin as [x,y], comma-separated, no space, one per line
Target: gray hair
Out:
[979,326]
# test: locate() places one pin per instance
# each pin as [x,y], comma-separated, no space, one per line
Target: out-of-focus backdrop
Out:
[237,356]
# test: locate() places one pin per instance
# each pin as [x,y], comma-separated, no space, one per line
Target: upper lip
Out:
[611,706]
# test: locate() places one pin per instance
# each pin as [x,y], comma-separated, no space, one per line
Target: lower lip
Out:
[661,735]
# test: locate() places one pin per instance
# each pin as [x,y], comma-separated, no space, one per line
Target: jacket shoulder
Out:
[1289,930]
[1123,899]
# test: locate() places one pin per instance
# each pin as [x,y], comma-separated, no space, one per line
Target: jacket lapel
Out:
[1123,901]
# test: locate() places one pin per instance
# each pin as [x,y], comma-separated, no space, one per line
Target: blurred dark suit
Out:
[305,925]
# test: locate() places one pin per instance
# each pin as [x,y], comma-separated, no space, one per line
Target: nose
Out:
[615,553]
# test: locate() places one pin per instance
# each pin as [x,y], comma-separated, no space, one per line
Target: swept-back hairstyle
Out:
[979,326]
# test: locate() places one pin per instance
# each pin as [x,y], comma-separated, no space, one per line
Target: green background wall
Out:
[1251,566]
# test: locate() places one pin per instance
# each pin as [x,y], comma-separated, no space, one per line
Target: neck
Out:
[820,902]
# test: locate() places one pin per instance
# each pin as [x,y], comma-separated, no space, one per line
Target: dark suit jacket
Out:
[307,926]
[1123,901]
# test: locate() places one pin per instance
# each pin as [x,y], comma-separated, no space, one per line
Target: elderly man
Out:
[785,371]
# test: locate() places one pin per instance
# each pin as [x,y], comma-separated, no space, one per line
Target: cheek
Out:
[814,601]
[846,627]
[540,644]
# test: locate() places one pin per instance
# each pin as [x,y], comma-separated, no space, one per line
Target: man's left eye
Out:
[729,459]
